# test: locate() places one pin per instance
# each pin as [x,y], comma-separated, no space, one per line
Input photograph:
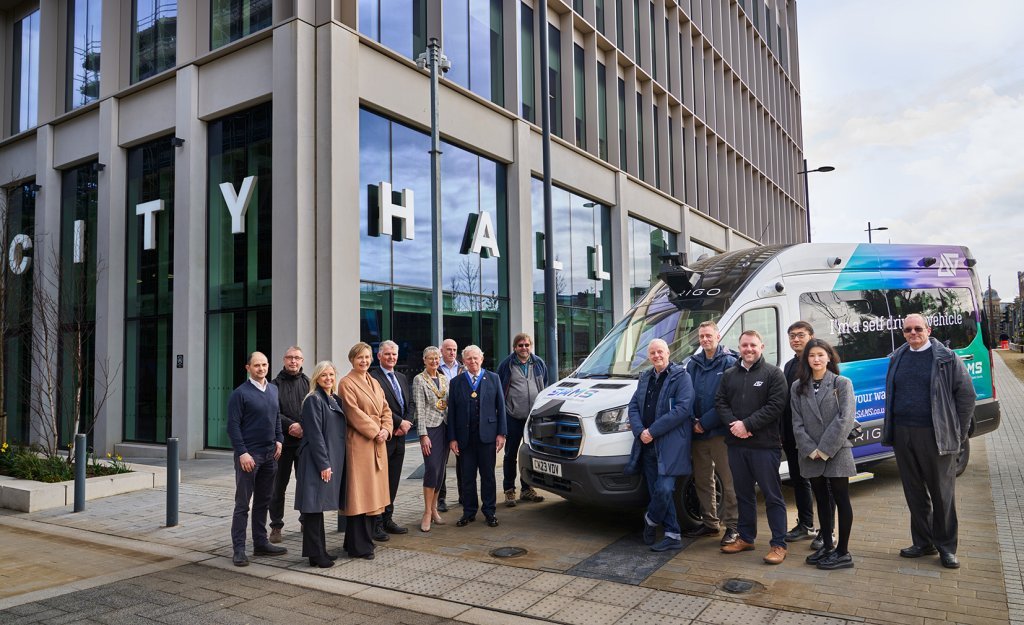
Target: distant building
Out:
[231,176]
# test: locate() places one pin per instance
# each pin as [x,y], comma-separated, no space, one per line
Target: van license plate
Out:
[549,468]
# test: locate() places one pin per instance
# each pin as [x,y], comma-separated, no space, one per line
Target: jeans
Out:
[256,486]
[662,509]
[289,457]
[512,442]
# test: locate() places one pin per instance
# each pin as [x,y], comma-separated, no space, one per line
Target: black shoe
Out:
[239,559]
[915,551]
[269,550]
[799,532]
[393,528]
[442,506]
[464,521]
[379,534]
[325,563]
[835,561]
[730,537]
[949,560]
[667,544]
[492,521]
[819,542]
[332,558]
[649,533]
[368,556]
[701,531]
[819,555]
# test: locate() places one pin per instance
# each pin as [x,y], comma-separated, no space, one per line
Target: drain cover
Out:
[508,552]
[738,586]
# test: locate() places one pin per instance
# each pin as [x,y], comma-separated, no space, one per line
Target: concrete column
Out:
[52,44]
[619,217]
[115,47]
[294,197]
[337,192]
[520,232]
[187,33]
[188,421]
[110,276]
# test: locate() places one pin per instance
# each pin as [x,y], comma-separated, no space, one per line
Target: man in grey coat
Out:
[929,403]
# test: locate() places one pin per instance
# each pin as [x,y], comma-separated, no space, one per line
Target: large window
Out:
[622,125]
[473,40]
[17,311]
[766,322]
[79,259]
[84,30]
[640,151]
[527,79]
[233,19]
[238,263]
[149,282]
[582,240]
[25,83]
[398,24]
[154,37]
[555,78]
[580,97]
[395,271]
[602,111]
[646,245]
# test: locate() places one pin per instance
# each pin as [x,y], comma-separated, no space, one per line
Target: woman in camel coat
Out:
[366,464]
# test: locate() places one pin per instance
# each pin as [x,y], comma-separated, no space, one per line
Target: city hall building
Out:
[188,181]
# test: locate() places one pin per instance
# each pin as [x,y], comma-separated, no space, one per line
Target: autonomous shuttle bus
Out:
[855,297]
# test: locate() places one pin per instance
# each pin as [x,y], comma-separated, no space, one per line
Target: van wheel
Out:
[688,503]
[963,457]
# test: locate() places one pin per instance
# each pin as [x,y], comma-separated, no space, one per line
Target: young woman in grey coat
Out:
[319,474]
[824,411]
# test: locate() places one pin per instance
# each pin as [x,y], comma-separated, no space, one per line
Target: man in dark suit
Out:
[397,392]
[477,431]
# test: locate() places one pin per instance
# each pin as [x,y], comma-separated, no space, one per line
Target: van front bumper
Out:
[586,480]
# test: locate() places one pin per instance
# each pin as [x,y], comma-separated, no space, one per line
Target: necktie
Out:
[398,391]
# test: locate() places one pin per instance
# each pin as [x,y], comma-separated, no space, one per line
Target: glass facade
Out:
[527,65]
[238,263]
[473,41]
[17,317]
[602,111]
[398,24]
[395,281]
[646,245]
[555,78]
[640,153]
[84,30]
[231,20]
[154,37]
[25,69]
[582,238]
[149,281]
[580,97]
[77,301]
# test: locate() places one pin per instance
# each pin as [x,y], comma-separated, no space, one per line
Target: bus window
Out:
[766,322]
[856,323]
[950,312]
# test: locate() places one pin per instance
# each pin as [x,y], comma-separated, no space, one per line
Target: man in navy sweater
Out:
[254,427]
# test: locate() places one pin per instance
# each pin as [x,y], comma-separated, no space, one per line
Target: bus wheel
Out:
[963,457]
[688,503]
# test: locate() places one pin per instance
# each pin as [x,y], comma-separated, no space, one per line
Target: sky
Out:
[919,105]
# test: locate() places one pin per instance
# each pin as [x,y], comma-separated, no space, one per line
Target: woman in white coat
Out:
[824,412]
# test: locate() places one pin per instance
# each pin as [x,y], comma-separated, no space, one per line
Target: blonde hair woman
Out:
[430,413]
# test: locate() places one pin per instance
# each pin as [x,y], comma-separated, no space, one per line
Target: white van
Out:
[855,297]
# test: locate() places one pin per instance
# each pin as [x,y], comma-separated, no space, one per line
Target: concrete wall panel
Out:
[237,81]
[147,114]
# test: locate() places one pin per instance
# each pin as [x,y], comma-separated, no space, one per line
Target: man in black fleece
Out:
[751,399]
[292,387]
[254,429]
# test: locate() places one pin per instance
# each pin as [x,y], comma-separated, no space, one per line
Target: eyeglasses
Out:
[912,329]
[522,344]
[799,335]
[293,357]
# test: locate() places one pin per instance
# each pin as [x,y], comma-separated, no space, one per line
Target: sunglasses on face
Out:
[912,329]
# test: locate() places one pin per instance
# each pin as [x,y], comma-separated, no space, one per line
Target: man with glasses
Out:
[450,367]
[523,376]
[929,401]
[292,387]
[397,392]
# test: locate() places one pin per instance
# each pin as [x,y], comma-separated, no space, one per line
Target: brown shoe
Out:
[738,546]
[510,498]
[775,556]
[530,495]
[275,535]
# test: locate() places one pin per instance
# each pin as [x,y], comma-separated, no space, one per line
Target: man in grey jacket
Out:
[929,403]
[523,376]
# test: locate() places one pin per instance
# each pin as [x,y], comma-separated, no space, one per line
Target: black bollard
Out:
[172,482]
[80,443]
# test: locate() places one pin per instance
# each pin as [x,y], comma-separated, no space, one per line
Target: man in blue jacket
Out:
[708,448]
[660,416]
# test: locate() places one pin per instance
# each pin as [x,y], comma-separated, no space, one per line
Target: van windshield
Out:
[674,317]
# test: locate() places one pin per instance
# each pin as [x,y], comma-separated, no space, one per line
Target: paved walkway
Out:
[449,572]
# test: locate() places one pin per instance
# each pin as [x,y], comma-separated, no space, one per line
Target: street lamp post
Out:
[438,63]
[807,199]
[550,290]
[870,229]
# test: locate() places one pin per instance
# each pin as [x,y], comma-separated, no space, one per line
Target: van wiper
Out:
[605,376]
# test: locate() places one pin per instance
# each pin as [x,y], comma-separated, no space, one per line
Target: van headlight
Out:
[613,420]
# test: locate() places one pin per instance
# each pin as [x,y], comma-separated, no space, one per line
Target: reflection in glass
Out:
[398,24]
[149,295]
[83,53]
[25,70]
[555,78]
[580,97]
[231,20]
[657,149]
[154,37]
[527,78]
[640,134]
[622,124]
[473,40]
[17,329]
[602,111]
[646,245]
[230,338]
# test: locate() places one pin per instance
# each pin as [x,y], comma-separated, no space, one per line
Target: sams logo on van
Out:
[572,393]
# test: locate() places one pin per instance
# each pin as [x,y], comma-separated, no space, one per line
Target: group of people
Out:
[736,414]
[345,437]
